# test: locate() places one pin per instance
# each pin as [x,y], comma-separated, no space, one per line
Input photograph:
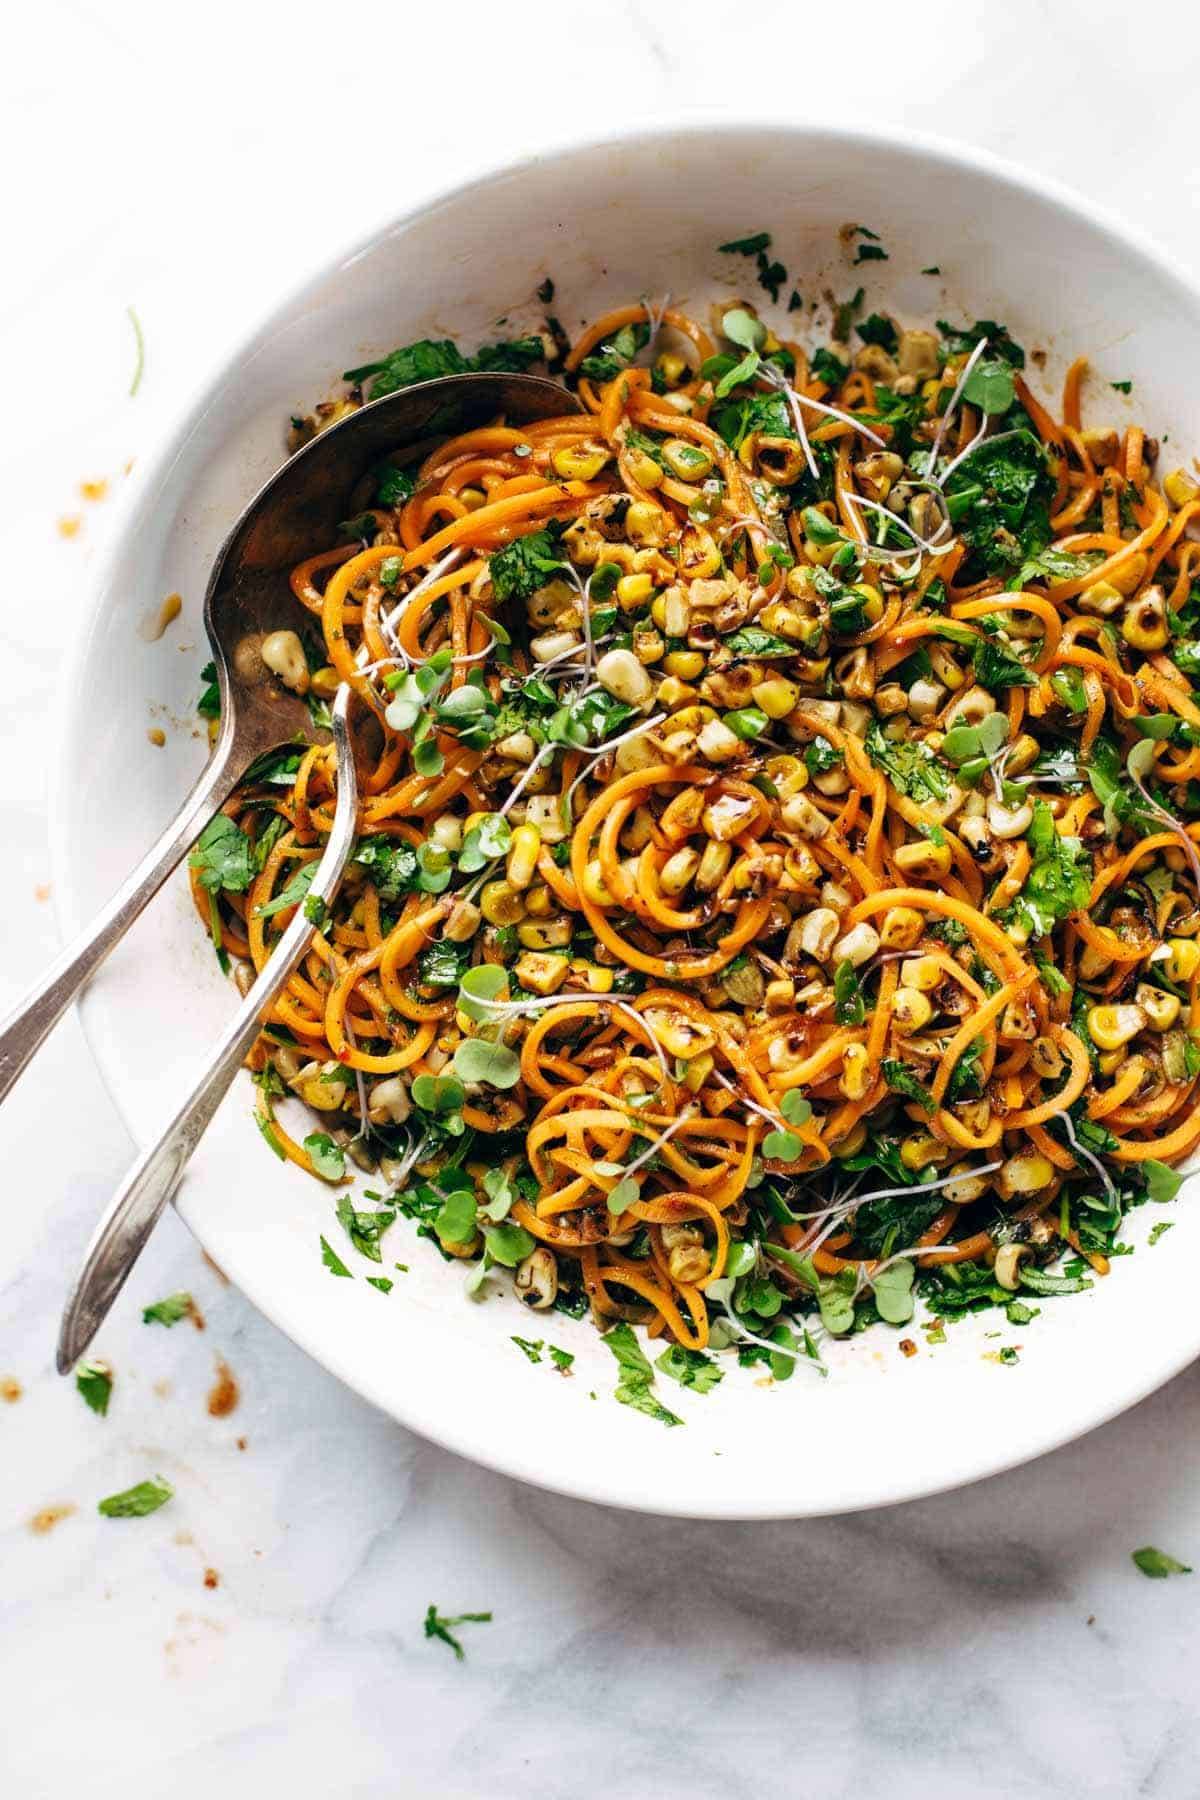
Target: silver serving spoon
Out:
[249,595]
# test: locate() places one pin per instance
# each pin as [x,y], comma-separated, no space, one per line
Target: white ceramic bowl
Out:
[607,221]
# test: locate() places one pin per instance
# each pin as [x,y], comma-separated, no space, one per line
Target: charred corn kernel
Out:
[799,814]
[923,858]
[780,994]
[544,934]
[644,524]
[717,743]
[501,904]
[785,622]
[684,665]
[944,667]
[644,470]
[447,830]
[648,646]
[521,864]
[698,1071]
[919,1149]
[584,543]
[1145,626]
[813,935]
[921,973]
[1006,822]
[463,922]
[672,692]
[966,1186]
[688,1264]
[788,774]
[911,1010]
[691,462]
[855,1077]
[322,1095]
[634,590]
[1017,1023]
[658,613]
[1180,488]
[1026,1173]
[901,928]
[1101,598]
[620,672]
[536,1279]
[858,945]
[1109,1061]
[671,368]
[1008,1263]
[678,871]
[699,552]
[714,866]
[1161,1009]
[593,884]
[593,977]
[540,972]
[801,867]
[872,600]
[579,462]
[1184,958]
[539,901]
[776,696]
[679,1035]
[472,498]
[682,814]
[324,682]
[1023,755]
[677,612]
[1046,1059]
[1112,1026]
[283,654]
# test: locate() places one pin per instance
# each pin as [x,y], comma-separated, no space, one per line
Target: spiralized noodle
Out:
[822,834]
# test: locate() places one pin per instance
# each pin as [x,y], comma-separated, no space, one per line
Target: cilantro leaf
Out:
[94,1383]
[912,768]
[1157,1564]
[168,1311]
[223,857]
[137,1502]
[901,1079]
[637,1377]
[526,564]
[690,1368]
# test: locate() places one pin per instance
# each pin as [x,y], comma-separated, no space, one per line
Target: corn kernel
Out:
[644,523]
[544,934]
[776,696]
[521,864]
[691,462]
[501,904]
[594,978]
[579,462]
[540,972]
[671,368]
[634,590]
[920,972]
[644,470]
[1184,958]
[911,1010]
[901,929]
[685,665]
[855,1077]
[919,1148]
[1112,1026]
[1180,488]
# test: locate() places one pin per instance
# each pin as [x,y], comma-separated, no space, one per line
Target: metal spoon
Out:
[247,595]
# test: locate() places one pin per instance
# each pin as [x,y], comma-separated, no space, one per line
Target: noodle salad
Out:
[776,892]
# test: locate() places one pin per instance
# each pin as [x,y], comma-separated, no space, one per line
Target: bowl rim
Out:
[169,429]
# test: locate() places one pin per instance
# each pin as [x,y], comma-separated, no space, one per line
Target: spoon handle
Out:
[135,1210]
[24,1029]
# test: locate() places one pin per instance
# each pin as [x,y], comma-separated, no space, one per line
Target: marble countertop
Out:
[264,1632]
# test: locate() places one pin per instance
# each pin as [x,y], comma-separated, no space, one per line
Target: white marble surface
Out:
[997,1641]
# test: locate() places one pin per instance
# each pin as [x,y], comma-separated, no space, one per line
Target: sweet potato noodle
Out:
[776,891]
